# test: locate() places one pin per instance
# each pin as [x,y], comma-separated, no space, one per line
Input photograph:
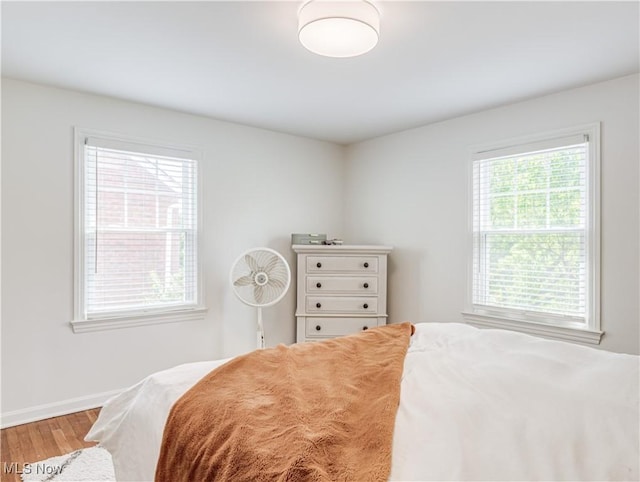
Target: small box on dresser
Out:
[340,290]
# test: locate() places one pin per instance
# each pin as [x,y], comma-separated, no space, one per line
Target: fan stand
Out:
[260,333]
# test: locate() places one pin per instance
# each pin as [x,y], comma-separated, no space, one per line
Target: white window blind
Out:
[139,216]
[531,229]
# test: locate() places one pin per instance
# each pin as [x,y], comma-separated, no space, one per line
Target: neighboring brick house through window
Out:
[137,232]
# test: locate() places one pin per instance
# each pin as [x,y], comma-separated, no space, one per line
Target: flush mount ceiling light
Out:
[338,28]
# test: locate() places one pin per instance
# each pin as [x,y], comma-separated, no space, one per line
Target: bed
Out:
[474,405]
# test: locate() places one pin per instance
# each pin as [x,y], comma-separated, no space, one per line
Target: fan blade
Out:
[251,262]
[278,283]
[244,281]
[271,264]
[258,293]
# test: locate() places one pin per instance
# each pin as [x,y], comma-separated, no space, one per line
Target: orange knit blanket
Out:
[318,411]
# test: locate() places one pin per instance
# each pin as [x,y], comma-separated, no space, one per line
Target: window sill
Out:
[579,335]
[103,324]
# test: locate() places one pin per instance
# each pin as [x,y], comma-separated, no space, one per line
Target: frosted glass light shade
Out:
[338,28]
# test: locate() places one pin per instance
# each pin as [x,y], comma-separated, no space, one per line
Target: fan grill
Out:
[260,277]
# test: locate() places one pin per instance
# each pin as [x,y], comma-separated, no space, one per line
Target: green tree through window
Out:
[530,230]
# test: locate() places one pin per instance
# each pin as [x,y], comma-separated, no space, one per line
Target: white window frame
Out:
[539,324]
[112,320]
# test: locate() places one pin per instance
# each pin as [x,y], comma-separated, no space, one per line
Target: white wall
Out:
[259,187]
[410,190]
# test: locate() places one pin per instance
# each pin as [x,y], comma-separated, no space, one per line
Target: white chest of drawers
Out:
[340,290]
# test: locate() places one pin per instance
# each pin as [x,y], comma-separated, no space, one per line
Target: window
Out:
[137,228]
[535,236]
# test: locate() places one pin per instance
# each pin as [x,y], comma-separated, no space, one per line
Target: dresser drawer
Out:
[342,284]
[340,264]
[341,304]
[330,327]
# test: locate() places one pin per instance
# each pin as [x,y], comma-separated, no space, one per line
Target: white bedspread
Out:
[475,405]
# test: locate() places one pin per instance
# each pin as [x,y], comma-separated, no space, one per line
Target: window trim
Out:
[540,324]
[112,320]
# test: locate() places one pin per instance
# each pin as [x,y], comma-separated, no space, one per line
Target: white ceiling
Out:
[241,61]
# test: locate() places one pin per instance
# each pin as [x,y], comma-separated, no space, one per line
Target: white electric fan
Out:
[260,277]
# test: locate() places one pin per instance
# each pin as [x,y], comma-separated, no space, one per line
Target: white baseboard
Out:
[55,409]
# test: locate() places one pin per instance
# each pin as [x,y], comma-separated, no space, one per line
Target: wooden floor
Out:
[36,441]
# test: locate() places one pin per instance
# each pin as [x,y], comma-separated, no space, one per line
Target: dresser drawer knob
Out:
[318,328]
[365,306]
[318,305]
[365,328]
[318,285]
[366,285]
[319,265]
[366,265]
